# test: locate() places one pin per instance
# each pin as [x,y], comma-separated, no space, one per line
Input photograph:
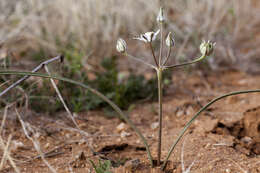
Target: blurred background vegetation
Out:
[85,31]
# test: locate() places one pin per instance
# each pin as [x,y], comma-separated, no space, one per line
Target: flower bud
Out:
[160,17]
[170,40]
[206,48]
[121,45]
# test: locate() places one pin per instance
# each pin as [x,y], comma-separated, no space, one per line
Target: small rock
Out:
[75,115]
[67,135]
[154,125]
[120,127]
[16,145]
[247,140]
[228,170]
[189,110]
[124,134]
[180,113]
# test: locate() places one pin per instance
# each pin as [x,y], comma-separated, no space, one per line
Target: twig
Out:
[4,118]
[35,142]
[8,155]
[6,150]
[60,57]
[61,98]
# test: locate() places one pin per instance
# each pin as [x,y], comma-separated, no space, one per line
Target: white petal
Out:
[149,35]
[140,38]
[155,34]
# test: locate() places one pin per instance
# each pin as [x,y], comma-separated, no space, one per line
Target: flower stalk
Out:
[159,76]
[206,49]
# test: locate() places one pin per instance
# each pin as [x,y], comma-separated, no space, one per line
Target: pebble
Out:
[228,171]
[180,113]
[246,139]
[124,134]
[189,110]
[154,125]
[120,127]
[16,145]
[67,135]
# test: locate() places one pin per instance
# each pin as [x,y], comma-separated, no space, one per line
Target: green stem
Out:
[113,105]
[161,47]
[159,76]
[196,115]
[154,57]
[186,63]
[168,55]
[139,60]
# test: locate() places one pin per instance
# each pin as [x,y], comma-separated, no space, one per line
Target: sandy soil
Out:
[224,139]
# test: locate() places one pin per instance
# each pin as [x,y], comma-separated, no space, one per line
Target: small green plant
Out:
[206,49]
[121,90]
[102,166]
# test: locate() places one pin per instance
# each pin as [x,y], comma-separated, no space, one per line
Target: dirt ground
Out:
[224,139]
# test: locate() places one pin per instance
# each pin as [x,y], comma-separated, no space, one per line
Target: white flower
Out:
[170,40]
[206,48]
[148,36]
[160,17]
[121,45]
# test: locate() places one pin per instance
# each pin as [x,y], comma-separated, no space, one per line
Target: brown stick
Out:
[60,57]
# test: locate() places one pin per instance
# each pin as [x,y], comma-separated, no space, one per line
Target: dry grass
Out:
[94,25]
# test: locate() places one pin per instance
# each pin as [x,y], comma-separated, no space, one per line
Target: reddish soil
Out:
[224,139]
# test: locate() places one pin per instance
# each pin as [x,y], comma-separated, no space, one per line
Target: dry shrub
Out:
[94,25]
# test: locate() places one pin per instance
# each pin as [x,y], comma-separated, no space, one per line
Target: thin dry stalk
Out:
[60,57]
[6,153]
[70,115]
[6,150]
[35,142]
[4,118]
